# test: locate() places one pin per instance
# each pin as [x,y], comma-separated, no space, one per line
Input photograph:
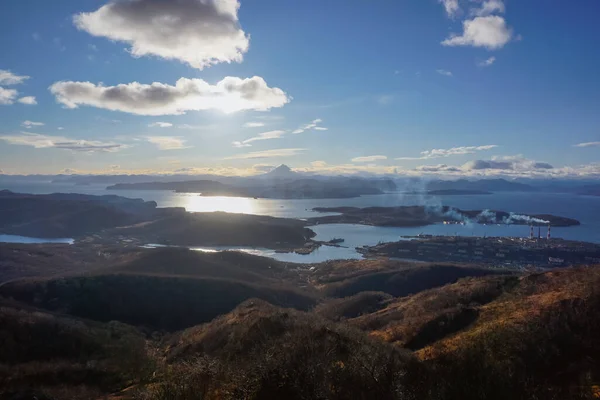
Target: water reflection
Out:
[198,203]
[30,240]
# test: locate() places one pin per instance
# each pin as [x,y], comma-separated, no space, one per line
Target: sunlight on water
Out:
[242,205]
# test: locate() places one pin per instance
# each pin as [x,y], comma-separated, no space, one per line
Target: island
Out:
[112,220]
[412,216]
[333,188]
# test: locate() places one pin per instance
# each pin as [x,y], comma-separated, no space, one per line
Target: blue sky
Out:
[407,87]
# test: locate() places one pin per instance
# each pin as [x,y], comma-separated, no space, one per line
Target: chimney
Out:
[548,236]
[539,232]
[530,231]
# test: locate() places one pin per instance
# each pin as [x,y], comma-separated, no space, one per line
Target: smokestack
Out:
[530,231]
[539,232]
[548,237]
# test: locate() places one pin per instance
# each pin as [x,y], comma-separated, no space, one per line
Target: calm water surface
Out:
[583,208]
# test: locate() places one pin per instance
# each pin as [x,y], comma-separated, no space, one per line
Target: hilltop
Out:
[230,325]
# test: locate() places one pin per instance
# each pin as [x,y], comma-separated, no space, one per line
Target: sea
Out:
[586,209]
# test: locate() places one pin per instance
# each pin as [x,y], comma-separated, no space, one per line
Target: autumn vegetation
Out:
[176,324]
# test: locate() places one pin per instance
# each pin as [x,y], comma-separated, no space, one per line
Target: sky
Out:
[235,87]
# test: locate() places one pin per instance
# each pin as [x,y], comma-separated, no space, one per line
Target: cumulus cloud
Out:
[263,168]
[318,164]
[490,32]
[454,151]
[60,142]
[588,144]
[437,168]
[253,124]
[60,128]
[261,136]
[508,163]
[8,96]
[275,153]
[313,125]
[28,100]
[197,32]
[451,6]
[488,62]
[489,7]
[160,125]
[8,78]
[369,158]
[167,142]
[229,95]
[444,72]
[30,124]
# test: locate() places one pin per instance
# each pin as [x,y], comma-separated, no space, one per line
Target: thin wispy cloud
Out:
[229,95]
[444,72]
[253,124]
[489,7]
[60,142]
[261,136]
[587,144]
[31,124]
[198,33]
[159,124]
[275,153]
[451,7]
[487,63]
[167,142]
[454,151]
[369,158]
[313,125]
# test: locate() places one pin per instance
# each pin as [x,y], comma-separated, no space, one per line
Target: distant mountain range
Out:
[281,183]
[284,182]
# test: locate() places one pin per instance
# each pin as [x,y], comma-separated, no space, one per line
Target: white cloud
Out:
[261,136]
[167,142]
[369,158]
[588,144]
[488,62]
[310,126]
[451,6]
[489,7]
[114,166]
[444,72]
[454,151]
[28,100]
[160,125]
[275,153]
[509,163]
[229,95]
[385,99]
[199,33]
[30,124]
[437,168]
[7,96]
[60,128]
[318,164]
[196,127]
[60,142]
[490,32]
[253,124]
[240,144]
[8,78]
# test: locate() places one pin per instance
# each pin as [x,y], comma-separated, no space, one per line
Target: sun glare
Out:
[197,203]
